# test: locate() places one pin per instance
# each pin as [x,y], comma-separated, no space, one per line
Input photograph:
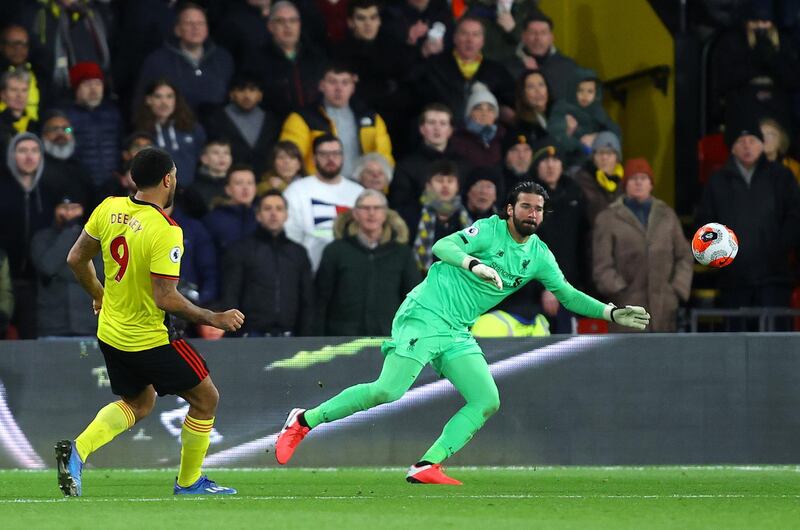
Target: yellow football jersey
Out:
[138,240]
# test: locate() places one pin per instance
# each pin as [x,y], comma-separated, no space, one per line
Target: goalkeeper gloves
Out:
[484,272]
[631,316]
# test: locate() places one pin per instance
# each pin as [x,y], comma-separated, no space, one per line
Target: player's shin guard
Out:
[457,432]
[195,439]
[111,420]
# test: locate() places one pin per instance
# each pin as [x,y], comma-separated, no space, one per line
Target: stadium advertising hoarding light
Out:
[601,400]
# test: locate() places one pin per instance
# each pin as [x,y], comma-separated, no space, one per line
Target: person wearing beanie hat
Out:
[96,122]
[518,160]
[760,201]
[84,71]
[601,176]
[481,190]
[479,141]
[640,229]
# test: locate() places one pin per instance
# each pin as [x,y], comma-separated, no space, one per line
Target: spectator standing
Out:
[373,172]
[15,55]
[423,27]
[285,166]
[533,106]
[479,141]
[448,77]
[212,174]
[410,175]
[96,122]
[63,306]
[234,219]
[366,272]
[26,206]
[441,214]
[641,254]
[536,51]
[270,276]
[601,177]
[289,68]
[315,201]
[165,114]
[193,64]
[244,28]
[63,171]
[776,146]
[68,32]
[250,129]
[14,118]
[359,129]
[503,23]
[481,190]
[759,201]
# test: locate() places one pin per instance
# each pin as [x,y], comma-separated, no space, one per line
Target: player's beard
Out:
[524,227]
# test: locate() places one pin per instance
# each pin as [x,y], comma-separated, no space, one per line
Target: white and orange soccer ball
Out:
[715,245]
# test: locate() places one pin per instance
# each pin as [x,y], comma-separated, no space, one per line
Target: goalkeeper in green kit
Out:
[479,267]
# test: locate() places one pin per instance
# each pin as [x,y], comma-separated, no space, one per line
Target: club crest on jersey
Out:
[175,254]
[472,231]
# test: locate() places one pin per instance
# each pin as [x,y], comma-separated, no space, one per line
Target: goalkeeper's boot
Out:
[430,474]
[290,437]
[70,468]
[203,486]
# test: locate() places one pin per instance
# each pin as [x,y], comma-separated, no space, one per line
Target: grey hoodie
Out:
[12,163]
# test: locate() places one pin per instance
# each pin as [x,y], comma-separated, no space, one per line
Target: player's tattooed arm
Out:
[167,298]
[79,260]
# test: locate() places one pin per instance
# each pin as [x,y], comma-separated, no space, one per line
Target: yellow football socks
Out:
[110,421]
[195,438]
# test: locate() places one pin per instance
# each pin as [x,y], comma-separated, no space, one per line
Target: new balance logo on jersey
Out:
[500,253]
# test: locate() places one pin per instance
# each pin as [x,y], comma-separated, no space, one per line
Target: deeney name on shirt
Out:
[127,219]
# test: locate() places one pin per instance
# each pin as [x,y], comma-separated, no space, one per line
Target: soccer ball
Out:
[715,245]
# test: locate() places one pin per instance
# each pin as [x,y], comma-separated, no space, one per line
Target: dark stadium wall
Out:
[616,38]
[584,400]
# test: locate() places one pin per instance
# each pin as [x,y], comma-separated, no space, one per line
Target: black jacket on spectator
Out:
[97,138]
[564,229]
[243,28]
[23,213]
[440,80]
[411,175]
[70,177]
[764,215]
[219,125]
[63,305]
[269,279]
[228,223]
[199,262]
[359,289]
[208,87]
[288,85]
[400,16]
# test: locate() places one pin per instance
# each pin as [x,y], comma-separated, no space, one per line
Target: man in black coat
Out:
[448,77]
[270,276]
[289,67]
[760,201]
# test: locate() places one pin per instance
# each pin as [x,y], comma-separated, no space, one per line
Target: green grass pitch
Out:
[380,499]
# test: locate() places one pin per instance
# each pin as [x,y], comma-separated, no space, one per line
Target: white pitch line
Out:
[375,497]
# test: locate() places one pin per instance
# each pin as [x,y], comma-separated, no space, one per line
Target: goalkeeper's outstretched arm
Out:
[452,250]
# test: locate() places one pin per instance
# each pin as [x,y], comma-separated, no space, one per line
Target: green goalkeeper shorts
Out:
[422,335]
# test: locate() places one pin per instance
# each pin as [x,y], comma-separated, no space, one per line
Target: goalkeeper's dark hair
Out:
[149,166]
[526,186]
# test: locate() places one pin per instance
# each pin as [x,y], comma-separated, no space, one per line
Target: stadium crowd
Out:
[324,146]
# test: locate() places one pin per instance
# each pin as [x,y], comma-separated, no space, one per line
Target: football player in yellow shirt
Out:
[142,248]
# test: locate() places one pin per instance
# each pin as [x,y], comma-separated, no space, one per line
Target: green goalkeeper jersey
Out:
[460,297]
